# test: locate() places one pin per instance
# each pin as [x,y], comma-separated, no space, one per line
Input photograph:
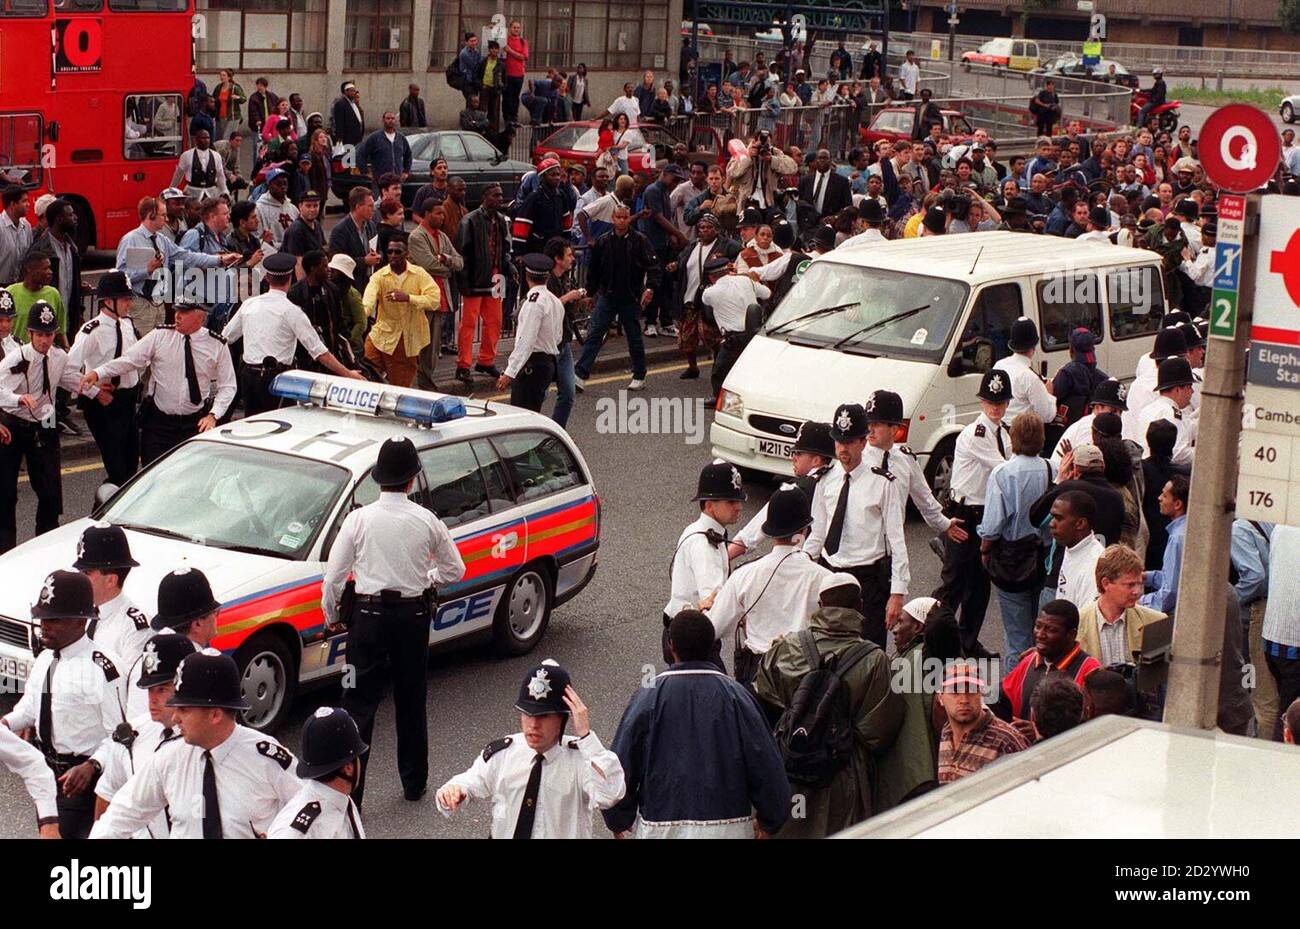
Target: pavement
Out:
[608,636]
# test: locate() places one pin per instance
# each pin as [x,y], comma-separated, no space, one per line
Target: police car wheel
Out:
[938,471]
[268,679]
[524,611]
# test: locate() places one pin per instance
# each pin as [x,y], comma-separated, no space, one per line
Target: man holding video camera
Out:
[756,175]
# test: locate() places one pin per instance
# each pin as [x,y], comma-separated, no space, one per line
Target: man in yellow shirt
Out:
[402,294]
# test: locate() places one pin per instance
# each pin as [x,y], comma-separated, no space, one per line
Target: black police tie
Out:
[997,434]
[832,543]
[211,809]
[352,820]
[528,809]
[45,722]
[117,348]
[45,373]
[191,376]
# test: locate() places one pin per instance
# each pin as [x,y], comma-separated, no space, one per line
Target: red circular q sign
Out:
[1239,147]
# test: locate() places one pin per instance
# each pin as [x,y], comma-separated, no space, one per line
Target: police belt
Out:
[390,598]
[267,370]
[18,424]
[149,410]
[968,511]
[62,764]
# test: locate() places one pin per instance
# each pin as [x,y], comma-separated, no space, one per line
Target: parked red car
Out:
[576,144]
[896,122]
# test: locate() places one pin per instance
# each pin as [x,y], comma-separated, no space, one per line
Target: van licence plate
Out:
[16,668]
[775,449]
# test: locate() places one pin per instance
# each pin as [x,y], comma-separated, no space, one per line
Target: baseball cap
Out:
[43,203]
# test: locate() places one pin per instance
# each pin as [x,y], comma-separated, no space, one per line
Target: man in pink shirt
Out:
[516,62]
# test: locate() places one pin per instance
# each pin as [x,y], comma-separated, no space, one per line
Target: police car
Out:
[256,505]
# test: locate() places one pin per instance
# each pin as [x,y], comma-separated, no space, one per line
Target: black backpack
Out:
[815,733]
[455,79]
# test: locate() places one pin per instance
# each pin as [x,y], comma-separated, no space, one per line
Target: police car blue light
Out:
[337,393]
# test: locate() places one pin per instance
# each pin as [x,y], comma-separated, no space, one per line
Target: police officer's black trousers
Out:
[114,429]
[391,642]
[255,388]
[728,354]
[874,579]
[76,814]
[528,390]
[963,582]
[161,432]
[39,447]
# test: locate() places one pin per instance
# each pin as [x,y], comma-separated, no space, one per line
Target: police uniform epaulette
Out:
[979,430]
[306,816]
[494,747]
[165,326]
[218,336]
[141,621]
[105,664]
[277,753]
[906,451]
[90,327]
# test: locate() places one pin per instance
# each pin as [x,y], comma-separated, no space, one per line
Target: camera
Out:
[959,206]
[764,144]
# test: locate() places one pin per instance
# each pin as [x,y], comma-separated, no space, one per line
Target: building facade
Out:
[313,46]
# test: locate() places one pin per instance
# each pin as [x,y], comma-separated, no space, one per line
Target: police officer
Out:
[272,328]
[884,417]
[1028,390]
[329,766]
[728,297]
[1110,396]
[858,522]
[397,552]
[104,556]
[531,366]
[1175,386]
[185,606]
[775,594]
[220,780]
[812,456]
[8,312]
[74,697]
[541,784]
[981,446]
[185,360]
[110,414]
[140,737]
[28,380]
[26,761]
[700,564]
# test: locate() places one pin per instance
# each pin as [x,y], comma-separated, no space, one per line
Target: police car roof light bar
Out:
[337,393]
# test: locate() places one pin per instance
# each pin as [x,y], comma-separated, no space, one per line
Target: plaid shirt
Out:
[987,742]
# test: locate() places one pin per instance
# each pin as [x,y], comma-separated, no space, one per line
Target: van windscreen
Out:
[871,311]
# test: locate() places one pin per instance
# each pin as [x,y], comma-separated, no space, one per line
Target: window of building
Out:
[560,34]
[379,35]
[152,126]
[263,35]
[20,149]
[1065,303]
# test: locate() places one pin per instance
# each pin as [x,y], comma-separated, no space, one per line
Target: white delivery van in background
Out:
[926,318]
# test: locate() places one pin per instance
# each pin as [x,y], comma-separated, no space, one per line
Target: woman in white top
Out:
[760,253]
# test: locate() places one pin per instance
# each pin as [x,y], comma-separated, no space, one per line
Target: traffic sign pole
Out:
[1203,590]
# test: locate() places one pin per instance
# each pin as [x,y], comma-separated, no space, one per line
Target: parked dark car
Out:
[469,156]
[1072,66]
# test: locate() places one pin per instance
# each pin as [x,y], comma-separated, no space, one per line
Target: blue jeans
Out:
[565,389]
[1019,610]
[629,315]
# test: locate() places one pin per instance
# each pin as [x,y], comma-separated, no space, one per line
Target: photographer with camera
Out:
[756,176]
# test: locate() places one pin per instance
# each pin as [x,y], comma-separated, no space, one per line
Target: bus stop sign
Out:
[1239,147]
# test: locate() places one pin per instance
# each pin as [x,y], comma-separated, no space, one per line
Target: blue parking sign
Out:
[1227,265]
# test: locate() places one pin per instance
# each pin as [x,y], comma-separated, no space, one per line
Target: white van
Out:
[926,318]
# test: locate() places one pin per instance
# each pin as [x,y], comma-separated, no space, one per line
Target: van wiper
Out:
[813,315]
[880,322]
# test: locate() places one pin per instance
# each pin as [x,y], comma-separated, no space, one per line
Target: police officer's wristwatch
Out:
[99,768]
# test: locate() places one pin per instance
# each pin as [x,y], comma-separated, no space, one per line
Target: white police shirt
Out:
[902,462]
[272,327]
[540,329]
[578,776]
[873,520]
[162,351]
[752,534]
[1141,394]
[974,458]
[1184,420]
[391,544]
[122,628]
[317,811]
[8,345]
[120,763]
[97,344]
[1079,433]
[1028,392]
[23,372]
[254,776]
[88,698]
[730,297]
[26,761]
[699,565]
[773,595]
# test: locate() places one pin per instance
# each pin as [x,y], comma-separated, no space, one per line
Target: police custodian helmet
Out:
[542,692]
[329,741]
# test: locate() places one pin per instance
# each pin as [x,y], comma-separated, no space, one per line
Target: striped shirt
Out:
[986,743]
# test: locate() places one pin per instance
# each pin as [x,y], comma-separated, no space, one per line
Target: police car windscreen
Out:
[229,496]
[872,296]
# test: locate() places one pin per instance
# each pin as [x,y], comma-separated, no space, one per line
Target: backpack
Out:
[815,733]
[455,80]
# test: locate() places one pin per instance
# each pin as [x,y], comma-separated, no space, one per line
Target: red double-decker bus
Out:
[93,103]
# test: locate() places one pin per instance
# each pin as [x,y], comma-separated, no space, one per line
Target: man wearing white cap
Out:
[875,710]
[907,769]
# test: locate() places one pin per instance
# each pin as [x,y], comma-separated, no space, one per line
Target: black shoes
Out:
[690,374]
[489,370]
[463,375]
[414,793]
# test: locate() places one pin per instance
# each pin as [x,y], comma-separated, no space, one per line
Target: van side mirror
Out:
[960,365]
[103,493]
[753,318]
